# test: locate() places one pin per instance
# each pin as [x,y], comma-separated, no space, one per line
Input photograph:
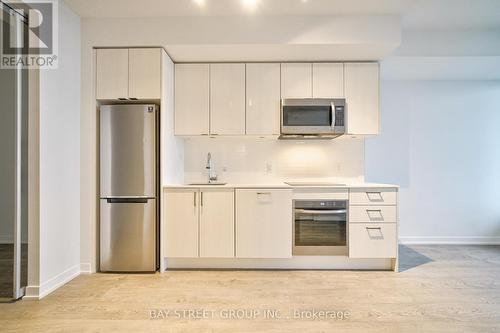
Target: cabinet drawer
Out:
[378,214]
[373,196]
[370,240]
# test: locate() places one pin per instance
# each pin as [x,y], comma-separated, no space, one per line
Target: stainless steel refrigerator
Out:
[128,188]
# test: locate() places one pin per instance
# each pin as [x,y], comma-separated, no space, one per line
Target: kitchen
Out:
[206,218]
[242,164]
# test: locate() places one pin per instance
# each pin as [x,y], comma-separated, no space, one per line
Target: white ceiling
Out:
[415,14]
[155,8]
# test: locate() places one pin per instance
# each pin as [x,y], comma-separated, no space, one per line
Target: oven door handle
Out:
[320,212]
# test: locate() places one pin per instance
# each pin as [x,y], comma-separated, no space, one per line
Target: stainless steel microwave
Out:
[312,118]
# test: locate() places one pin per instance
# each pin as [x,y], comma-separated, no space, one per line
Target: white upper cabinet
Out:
[192,96]
[128,74]
[263,223]
[328,80]
[296,80]
[227,99]
[262,99]
[244,99]
[144,67]
[217,223]
[362,98]
[112,73]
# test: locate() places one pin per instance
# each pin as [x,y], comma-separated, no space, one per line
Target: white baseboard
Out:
[39,292]
[6,239]
[59,280]
[32,293]
[85,268]
[458,240]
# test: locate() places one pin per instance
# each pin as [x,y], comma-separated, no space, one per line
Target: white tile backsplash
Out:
[246,160]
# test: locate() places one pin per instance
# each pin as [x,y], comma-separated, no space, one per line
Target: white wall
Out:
[440,142]
[60,159]
[248,160]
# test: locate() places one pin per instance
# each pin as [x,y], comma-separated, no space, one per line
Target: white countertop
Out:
[282,185]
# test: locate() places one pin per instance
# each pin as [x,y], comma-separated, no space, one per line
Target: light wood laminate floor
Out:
[439,289]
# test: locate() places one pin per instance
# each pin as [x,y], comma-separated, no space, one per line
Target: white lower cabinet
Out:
[373,223]
[217,223]
[371,240]
[387,214]
[263,223]
[180,230]
[198,223]
[373,196]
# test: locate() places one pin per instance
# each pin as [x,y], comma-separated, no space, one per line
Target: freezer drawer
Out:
[127,150]
[128,235]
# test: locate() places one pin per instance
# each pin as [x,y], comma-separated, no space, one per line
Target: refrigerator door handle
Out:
[127,200]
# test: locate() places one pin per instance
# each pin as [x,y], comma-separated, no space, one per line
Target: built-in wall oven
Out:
[320,227]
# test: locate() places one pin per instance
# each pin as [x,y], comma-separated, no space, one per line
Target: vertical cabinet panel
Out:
[262,99]
[263,223]
[144,73]
[227,99]
[192,99]
[328,80]
[296,80]
[180,232]
[362,97]
[217,223]
[111,73]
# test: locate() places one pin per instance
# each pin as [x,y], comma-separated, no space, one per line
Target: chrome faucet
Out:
[212,176]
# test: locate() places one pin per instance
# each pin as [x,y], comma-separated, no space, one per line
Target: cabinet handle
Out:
[373,228]
[262,193]
[194,199]
[201,198]
[378,194]
[374,210]
[374,193]
[133,98]
[122,98]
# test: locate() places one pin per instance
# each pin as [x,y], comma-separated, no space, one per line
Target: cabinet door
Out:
[262,99]
[263,223]
[372,240]
[180,227]
[296,80]
[191,99]
[362,98]
[144,73]
[328,80]
[227,99]
[112,74]
[217,223]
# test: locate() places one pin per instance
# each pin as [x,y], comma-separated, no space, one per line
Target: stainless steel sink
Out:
[213,183]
